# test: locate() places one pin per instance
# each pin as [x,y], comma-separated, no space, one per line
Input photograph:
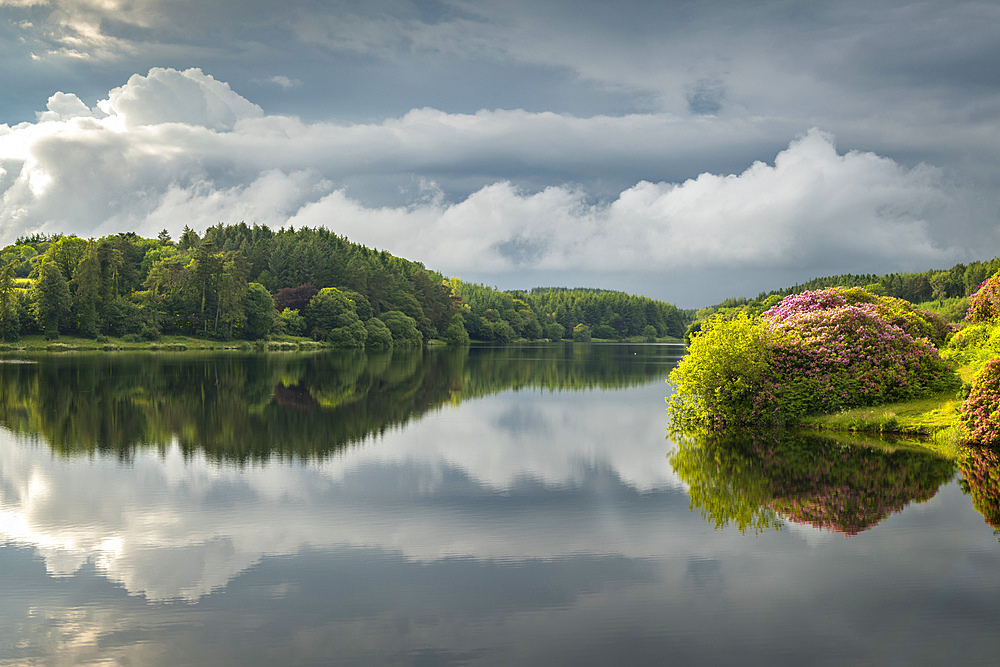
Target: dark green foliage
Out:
[555,331]
[200,286]
[332,316]
[379,336]
[10,324]
[529,314]
[52,300]
[259,309]
[455,333]
[404,329]
[605,331]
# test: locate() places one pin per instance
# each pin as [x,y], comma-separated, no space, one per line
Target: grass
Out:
[923,416]
[38,343]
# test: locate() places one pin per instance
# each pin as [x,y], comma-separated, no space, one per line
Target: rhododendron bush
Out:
[980,413]
[819,351]
[984,305]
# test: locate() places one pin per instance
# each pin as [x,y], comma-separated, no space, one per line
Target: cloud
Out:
[168,96]
[505,191]
[158,528]
[283,82]
[810,204]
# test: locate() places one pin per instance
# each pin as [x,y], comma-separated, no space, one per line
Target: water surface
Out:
[491,506]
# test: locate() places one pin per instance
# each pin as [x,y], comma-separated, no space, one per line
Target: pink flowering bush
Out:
[917,323]
[984,305]
[819,351]
[980,413]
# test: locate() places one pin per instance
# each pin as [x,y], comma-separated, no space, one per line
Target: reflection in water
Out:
[751,482]
[344,509]
[244,407]
[175,524]
[980,468]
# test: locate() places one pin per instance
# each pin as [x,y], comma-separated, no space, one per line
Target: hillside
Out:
[252,282]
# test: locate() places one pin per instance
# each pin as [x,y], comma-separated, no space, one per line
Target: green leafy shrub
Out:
[815,352]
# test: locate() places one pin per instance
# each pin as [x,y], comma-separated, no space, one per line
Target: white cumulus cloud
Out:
[175,148]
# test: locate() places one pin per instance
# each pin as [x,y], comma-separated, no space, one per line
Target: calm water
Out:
[495,506]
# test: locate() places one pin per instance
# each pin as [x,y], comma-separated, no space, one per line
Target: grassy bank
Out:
[935,415]
[39,343]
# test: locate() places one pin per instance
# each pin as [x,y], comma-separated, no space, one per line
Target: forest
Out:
[252,283]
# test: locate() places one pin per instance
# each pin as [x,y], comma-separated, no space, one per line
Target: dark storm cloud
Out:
[505,125]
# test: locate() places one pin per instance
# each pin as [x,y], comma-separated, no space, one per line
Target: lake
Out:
[494,506]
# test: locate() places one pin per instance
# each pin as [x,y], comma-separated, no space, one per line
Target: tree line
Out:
[557,313]
[961,280]
[252,282]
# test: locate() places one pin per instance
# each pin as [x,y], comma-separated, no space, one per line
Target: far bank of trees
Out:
[945,291]
[251,282]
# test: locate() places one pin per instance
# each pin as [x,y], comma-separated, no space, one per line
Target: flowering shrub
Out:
[980,468]
[917,323]
[984,305]
[848,356]
[980,413]
[814,352]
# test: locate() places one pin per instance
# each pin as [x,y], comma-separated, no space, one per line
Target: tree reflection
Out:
[246,407]
[980,468]
[755,481]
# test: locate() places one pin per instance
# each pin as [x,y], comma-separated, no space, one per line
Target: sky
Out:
[685,150]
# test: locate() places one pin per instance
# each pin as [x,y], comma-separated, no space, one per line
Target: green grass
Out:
[164,343]
[934,417]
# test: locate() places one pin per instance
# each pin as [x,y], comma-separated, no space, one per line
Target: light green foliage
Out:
[291,323]
[649,333]
[726,365]
[66,254]
[581,333]
[404,329]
